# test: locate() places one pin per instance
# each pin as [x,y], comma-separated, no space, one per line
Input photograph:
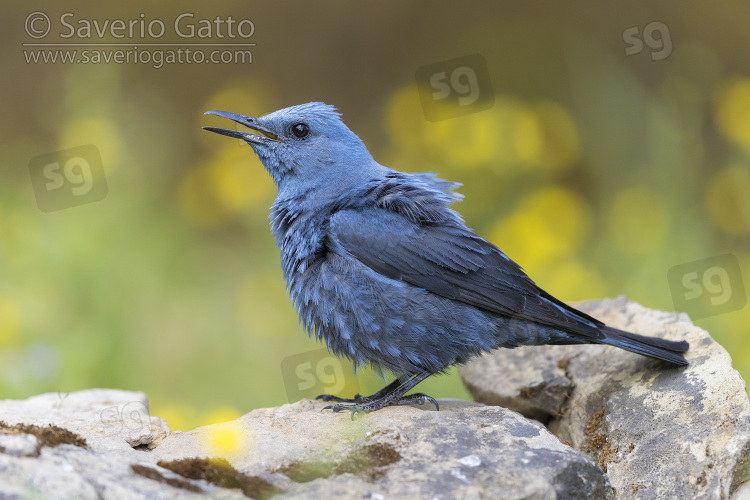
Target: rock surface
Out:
[466,450]
[110,420]
[659,431]
[524,380]
[462,451]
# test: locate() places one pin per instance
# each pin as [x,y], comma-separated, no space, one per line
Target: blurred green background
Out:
[596,170]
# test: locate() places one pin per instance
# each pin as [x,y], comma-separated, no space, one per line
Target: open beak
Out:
[264,136]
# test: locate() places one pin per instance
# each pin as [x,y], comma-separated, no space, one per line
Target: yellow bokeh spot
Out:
[404,119]
[638,221]
[733,112]
[238,180]
[571,280]
[221,415]
[561,145]
[179,417]
[465,141]
[99,131]
[504,137]
[9,321]
[197,201]
[213,192]
[526,135]
[511,135]
[245,96]
[728,200]
[228,439]
[547,224]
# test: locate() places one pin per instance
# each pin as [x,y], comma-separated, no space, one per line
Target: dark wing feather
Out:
[453,262]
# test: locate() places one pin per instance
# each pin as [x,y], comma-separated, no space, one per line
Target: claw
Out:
[417,399]
[331,397]
[433,401]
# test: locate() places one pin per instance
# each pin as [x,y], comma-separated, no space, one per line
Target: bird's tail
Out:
[667,350]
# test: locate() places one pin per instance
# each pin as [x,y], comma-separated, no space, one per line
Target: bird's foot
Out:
[358,398]
[418,399]
[367,404]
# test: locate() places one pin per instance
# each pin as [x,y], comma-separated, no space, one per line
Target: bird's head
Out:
[305,145]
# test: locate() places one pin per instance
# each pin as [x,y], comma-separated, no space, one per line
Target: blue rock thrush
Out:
[380,268]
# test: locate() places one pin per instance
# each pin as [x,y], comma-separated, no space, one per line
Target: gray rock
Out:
[658,431]
[466,450]
[107,427]
[462,451]
[67,472]
[107,419]
[19,445]
[528,382]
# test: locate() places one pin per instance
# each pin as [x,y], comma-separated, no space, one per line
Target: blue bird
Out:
[381,268]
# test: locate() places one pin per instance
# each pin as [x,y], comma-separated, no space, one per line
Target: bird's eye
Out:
[300,130]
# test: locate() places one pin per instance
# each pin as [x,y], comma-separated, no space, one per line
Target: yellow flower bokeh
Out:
[220,415]
[227,440]
[638,221]
[548,224]
[728,200]
[403,120]
[243,95]
[101,131]
[238,180]
[572,280]
[196,199]
[733,112]
[509,136]
[214,191]
[179,416]
[560,149]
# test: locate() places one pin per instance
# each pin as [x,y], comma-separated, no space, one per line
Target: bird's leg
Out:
[358,398]
[392,394]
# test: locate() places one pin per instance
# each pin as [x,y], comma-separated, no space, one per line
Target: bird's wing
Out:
[453,262]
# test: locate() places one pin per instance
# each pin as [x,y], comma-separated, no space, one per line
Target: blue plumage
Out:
[381,268]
